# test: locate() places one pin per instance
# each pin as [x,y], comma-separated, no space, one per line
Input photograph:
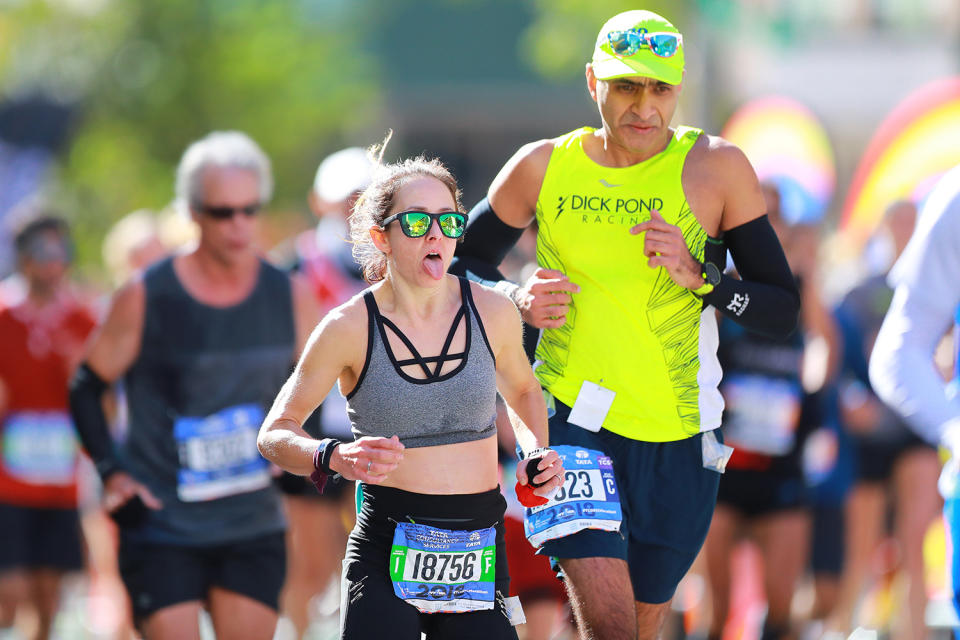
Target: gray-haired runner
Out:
[203,341]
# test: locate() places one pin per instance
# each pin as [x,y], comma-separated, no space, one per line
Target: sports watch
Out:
[711,278]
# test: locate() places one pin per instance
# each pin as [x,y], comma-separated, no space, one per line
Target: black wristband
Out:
[323,455]
[538,452]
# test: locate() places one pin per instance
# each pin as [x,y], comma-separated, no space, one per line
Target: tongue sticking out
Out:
[433,265]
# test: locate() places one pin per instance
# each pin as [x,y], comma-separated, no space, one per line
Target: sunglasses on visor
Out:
[661,44]
[223,213]
[416,224]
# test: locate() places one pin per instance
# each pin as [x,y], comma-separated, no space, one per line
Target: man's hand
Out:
[369,459]
[544,299]
[665,247]
[120,488]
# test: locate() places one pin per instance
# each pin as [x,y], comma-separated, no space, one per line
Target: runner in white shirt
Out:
[925,305]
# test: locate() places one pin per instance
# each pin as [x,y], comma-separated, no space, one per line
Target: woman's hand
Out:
[368,459]
[549,477]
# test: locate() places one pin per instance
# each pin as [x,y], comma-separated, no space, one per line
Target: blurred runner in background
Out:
[319,523]
[767,416]
[41,342]
[203,341]
[132,244]
[828,472]
[926,298]
[894,464]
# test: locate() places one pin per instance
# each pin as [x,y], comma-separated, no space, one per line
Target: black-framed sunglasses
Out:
[224,213]
[45,250]
[416,224]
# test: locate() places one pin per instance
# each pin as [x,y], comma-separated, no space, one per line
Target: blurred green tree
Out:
[149,76]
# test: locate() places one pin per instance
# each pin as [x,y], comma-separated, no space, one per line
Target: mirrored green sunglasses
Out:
[416,224]
[661,44]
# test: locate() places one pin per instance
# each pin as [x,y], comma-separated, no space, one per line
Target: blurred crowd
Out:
[828,513]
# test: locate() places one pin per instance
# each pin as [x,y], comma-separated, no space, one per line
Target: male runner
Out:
[631,219]
[41,341]
[893,463]
[925,304]
[768,415]
[203,341]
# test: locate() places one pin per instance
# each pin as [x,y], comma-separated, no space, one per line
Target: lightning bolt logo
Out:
[562,201]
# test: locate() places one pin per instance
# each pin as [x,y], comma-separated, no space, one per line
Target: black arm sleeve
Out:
[86,394]
[486,242]
[765,299]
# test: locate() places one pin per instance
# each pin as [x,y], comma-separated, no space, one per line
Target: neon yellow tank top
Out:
[631,329]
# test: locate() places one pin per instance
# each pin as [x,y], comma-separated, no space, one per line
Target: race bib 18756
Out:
[443,571]
[587,500]
[218,454]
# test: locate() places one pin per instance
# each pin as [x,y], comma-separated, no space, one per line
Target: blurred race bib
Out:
[218,454]
[40,447]
[762,413]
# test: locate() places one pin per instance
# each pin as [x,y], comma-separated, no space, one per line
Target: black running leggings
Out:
[369,607]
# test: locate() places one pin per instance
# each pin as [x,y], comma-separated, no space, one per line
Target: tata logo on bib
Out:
[582,454]
[608,209]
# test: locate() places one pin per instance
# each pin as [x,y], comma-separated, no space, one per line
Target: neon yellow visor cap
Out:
[641,52]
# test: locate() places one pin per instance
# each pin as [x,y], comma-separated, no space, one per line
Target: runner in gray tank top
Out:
[420,356]
[203,341]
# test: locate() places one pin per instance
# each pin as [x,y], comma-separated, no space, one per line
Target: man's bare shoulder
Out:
[129,299]
[533,157]
[513,193]
[721,185]
[116,345]
[717,157]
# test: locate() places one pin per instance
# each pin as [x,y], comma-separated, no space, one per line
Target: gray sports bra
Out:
[457,406]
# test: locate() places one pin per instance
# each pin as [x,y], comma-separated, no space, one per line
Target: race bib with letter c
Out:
[587,500]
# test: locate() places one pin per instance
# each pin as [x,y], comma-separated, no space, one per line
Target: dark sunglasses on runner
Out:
[223,213]
[45,250]
[416,224]
[662,44]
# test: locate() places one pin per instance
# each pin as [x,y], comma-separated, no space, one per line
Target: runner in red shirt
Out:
[41,337]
